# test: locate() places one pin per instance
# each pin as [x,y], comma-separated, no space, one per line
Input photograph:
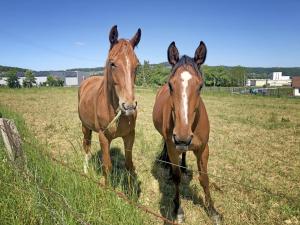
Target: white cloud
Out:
[79,43]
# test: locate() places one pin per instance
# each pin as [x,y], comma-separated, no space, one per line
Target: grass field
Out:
[254,142]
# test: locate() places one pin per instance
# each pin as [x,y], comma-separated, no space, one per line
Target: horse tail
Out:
[164,159]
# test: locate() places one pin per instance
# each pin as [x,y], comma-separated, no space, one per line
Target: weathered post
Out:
[13,143]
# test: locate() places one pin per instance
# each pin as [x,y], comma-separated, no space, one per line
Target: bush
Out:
[54,81]
[29,80]
[13,80]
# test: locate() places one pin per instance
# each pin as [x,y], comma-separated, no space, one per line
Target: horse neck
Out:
[111,97]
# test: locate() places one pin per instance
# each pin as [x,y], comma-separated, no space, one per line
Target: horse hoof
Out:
[180,216]
[216,219]
[85,168]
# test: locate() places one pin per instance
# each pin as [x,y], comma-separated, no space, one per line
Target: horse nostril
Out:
[176,141]
[189,140]
[128,106]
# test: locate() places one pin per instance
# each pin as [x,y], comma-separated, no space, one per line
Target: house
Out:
[256,82]
[278,76]
[40,77]
[74,78]
[296,85]
[70,78]
[277,80]
[3,81]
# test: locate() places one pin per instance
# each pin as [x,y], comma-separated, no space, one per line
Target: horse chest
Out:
[121,128]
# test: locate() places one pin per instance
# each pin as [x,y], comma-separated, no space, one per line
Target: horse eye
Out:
[170,86]
[113,65]
[200,88]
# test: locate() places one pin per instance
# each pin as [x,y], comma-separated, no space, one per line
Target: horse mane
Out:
[183,61]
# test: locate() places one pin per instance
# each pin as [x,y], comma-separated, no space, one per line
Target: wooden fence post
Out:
[13,143]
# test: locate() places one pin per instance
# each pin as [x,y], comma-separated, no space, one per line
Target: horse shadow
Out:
[119,177]
[163,175]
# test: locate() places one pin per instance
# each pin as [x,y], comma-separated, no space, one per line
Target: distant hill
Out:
[287,71]
[253,72]
[87,69]
[266,72]
[9,68]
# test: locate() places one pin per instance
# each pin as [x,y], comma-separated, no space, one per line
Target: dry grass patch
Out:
[254,141]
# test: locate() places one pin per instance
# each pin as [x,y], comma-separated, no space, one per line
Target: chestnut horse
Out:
[100,100]
[180,117]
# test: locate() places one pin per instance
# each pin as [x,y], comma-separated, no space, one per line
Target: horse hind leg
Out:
[87,136]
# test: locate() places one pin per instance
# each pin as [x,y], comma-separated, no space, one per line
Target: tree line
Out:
[29,81]
[157,75]
[149,75]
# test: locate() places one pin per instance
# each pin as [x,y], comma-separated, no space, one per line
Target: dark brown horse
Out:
[180,117]
[100,99]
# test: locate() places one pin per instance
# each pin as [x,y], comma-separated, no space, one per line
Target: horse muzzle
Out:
[182,145]
[129,109]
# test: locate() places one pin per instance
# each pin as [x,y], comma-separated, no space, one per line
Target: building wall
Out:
[296,91]
[278,76]
[256,82]
[279,83]
[71,81]
[40,80]
[3,80]
[260,83]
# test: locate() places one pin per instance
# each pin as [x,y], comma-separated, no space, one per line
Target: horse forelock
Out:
[184,61]
[123,47]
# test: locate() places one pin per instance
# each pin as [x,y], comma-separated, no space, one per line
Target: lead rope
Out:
[115,121]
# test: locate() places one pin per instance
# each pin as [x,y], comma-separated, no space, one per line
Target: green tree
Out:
[59,82]
[13,80]
[54,82]
[158,75]
[216,76]
[29,80]
[238,76]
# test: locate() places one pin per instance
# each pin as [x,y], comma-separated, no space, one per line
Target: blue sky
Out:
[44,35]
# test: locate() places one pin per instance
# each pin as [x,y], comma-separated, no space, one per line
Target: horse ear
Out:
[173,54]
[136,38]
[200,54]
[113,36]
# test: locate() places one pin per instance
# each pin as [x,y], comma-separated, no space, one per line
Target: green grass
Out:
[51,194]
[254,141]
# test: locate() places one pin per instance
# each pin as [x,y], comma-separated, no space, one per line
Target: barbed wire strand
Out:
[118,193]
[144,208]
[268,192]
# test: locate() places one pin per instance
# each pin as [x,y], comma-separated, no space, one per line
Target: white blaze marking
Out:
[185,77]
[127,65]
[128,72]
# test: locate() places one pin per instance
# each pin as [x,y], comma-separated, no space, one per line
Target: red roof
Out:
[296,82]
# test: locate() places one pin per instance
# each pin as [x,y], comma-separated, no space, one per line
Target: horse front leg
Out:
[202,160]
[128,144]
[106,160]
[87,136]
[176,177]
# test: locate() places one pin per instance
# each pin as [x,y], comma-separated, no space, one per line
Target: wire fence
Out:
[123,196]
[118,193]
[262,91]
[228,181]
[149,210]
